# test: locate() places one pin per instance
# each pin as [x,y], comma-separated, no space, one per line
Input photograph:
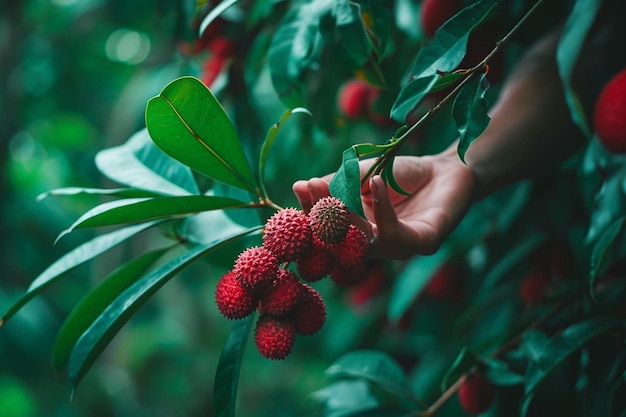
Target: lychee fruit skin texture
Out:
[434,13]
[353,98]
[274,337]
[283,295]
[256,268]
[476,394]
[610,114]
[287,234]
[329,219]
[310,313]
[233,301]
[316,263]
[351,251]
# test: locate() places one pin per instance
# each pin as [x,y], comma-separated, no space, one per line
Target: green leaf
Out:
[350,29]
[377,21]
[572,38]
[228,368]
[470,112]
[412,279]
[346,183]
[138,163]
[105,327]
[559,348]
[71,260]
[465,361]
[368,150]
[499,373]
[376,367]
[188,123]
[213,14]
[94,303]
[114,192]
[388,177]
[269,141]
[296,47]
[142,209]
[603,250]
[610,203]
[410,95]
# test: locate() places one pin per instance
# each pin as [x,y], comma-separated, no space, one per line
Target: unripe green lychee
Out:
[329,220]
[233,301]
[256,268]
[287,234]
[274,336]
[283,295]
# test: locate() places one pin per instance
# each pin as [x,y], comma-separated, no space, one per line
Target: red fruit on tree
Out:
[329,219]
[274,336]
[446,283]
[211,69]
[256,268]
[476,394]
[534,286]
[287,234]
[310,313]
[434,13]
[351,251]
[222,47]
[283,295]
[609,115]
[317,263]
[233,301]
[353,98]
[370,286]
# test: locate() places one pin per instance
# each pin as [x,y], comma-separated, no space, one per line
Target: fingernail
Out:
[373,188]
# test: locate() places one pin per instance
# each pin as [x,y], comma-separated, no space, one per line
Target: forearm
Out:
[530,128]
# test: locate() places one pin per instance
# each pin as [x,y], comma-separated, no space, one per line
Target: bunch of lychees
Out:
[298,249]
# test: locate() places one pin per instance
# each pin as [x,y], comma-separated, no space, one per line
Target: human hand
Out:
[400,226]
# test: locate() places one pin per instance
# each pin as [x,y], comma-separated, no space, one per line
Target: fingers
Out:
[308,192]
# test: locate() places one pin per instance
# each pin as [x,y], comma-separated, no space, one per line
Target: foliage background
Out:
[76,75]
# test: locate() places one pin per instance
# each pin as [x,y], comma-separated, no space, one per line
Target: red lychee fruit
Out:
[274,336]
[353,97]
[534,286]
[609,115]
[446,283]
[283,295]
[434,13]
[256,268]
[211,69]
[287,234]
[344,276]
[310,313]
[370,286]
[316,263]
[476,394]
[233,301]
[222,47]
[351,251]
[329,219]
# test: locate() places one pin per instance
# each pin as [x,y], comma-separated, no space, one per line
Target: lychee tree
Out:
[214,188]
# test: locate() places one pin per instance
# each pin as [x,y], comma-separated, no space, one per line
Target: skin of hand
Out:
[400,226]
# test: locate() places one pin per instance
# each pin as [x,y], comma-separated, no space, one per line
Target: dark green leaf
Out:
[466,360]
[228,367]
[559,348]
[269,141]
[213,14]
[470,112]
[499,373]
[346,396]
[377,20]
[602,252]
[346,183]
[376,367]
[354,41]
[188,123]
[113,192]
[410,96]
[72,259]
[388,177]
[138,163]
[94,303]
[141,209]
[368,150]
[105,327]
[610,204]
[570,44]
[412,279]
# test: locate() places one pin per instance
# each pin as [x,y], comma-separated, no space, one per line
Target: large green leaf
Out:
[72,259]
[113,192]
[138,163]
[610,204]
[94,303]
[603,251]
[350,29]
[470,112]
[295,47]
[411,94]
[270,137]
[376,367]
[570,44]
[105,327]
[377,20]
[559,348]
[346,183]
[412,279]
[143,209]
[188,123]
[228,367]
